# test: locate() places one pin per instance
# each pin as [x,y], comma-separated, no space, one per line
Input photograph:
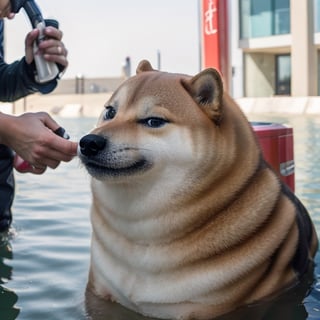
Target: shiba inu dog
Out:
[189,222]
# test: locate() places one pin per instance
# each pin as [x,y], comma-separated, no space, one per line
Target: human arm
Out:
[18,78]
[17,81]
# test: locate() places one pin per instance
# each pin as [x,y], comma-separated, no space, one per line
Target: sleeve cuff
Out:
[43,88]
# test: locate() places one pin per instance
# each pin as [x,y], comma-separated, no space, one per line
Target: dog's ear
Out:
[143,66]
[206,89]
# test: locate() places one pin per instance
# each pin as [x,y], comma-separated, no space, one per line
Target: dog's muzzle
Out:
[91,144]
[105,161]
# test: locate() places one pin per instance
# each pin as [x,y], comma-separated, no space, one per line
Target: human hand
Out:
[31,136]
[52,48]
[5,9]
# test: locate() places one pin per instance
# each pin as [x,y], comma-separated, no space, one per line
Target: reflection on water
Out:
[44,262]
[8,298]
[287,306]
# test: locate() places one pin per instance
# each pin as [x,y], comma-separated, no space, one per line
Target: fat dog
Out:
[188,219]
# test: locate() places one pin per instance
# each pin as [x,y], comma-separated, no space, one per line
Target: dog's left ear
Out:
[206,89]
[143,66]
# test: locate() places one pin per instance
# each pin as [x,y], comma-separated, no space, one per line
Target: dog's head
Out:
[156,121]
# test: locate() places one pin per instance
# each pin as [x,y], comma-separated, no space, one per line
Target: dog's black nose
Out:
[91,144]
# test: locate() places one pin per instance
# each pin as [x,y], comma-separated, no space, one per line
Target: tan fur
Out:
[205,228]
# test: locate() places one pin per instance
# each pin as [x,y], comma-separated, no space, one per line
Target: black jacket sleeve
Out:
[17,79]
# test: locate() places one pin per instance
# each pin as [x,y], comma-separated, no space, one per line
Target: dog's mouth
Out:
[100,170]
[104,160]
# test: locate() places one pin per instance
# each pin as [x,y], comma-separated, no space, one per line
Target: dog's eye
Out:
[153,122]
[109,113]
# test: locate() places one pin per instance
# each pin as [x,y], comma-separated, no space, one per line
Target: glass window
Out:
[244,11]
[261,18]
[281,17]
[317,15]
[264,18]
[283,74]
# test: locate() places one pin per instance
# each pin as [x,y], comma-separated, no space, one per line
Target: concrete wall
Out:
[259,74]
[303,51]
[281,105]
[87,85]
[66,105]
[91,105]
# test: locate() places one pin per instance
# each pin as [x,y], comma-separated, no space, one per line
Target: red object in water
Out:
[276,141]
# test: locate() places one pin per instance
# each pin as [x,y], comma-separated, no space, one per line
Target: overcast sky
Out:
[99,34]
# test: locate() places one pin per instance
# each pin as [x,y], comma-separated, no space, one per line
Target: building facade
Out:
[276,50]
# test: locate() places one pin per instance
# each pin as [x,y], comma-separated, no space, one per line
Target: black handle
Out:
[33,12]
[16,5]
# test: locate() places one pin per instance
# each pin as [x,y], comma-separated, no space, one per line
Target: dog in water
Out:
[189,221]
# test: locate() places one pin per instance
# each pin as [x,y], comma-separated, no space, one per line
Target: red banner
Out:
[210,34]
[215,37]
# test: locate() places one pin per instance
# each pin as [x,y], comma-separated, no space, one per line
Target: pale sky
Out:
[99,34]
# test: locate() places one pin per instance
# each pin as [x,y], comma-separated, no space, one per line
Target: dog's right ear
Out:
[143,66]
[206,88]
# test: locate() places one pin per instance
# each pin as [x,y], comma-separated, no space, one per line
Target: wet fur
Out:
[204,225]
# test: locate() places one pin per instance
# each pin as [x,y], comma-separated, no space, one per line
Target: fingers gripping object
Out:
[62,133]
[24,166]
[46,71]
